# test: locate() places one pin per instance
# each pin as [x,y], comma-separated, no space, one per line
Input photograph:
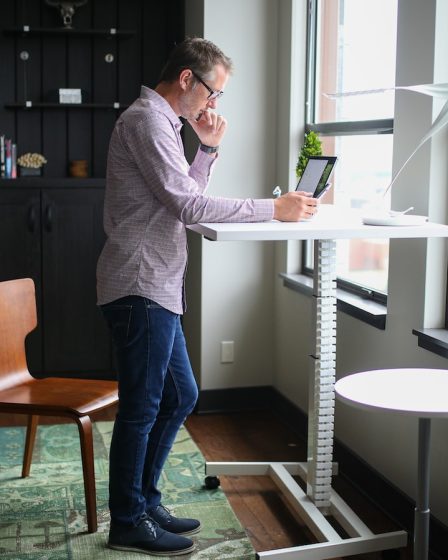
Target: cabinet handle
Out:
[48,218]
[31,219]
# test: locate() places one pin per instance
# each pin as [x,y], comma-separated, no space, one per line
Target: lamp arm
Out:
[437,125]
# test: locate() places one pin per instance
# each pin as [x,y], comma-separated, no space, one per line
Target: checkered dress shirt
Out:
[152,193]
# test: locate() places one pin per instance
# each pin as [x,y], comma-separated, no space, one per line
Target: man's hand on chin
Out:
[210,127]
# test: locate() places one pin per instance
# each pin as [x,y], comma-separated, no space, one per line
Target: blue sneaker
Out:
[176,525]
[148,538]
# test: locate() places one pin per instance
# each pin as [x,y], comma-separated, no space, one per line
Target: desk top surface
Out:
[329,223]
[415,392]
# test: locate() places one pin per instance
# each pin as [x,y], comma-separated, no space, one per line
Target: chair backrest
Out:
[18,317]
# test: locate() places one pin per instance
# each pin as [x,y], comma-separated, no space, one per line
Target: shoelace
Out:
[150,524]
[166,512]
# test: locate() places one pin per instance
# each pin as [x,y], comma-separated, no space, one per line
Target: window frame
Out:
[344,128]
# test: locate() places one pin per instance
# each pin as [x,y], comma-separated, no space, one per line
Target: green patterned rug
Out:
[43,517]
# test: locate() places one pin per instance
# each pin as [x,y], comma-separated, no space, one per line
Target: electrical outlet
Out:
[227,351]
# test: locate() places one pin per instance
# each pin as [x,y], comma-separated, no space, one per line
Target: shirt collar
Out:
[161,104]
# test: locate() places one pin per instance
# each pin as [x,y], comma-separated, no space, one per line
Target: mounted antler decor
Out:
[67,10]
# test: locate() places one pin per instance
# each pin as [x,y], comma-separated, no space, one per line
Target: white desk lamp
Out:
[380,216]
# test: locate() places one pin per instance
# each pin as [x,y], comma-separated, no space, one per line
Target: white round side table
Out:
[412,392]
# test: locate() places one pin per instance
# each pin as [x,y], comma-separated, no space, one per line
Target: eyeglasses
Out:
[213,94]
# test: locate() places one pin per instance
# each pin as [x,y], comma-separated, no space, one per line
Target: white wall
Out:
[235,301]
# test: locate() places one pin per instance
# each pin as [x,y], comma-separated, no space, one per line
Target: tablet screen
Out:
[316,174]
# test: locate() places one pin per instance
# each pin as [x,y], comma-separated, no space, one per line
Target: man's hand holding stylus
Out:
[295,206]
[291,207]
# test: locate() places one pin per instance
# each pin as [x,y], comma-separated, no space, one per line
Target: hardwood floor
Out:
[260,507]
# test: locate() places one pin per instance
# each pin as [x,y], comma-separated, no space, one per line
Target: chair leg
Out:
[88,469]
[29,444]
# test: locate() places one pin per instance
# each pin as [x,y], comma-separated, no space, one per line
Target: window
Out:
[351,48]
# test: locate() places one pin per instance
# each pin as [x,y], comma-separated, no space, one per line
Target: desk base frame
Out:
[319,500]
[331,544]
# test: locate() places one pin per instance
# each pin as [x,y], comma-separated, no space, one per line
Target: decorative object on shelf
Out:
[31,164]
[69,96]
[30,171]
[78,168]
[67,10]
[312,146]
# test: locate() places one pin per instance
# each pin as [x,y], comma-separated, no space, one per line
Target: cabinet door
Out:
[20,253]
[76,339]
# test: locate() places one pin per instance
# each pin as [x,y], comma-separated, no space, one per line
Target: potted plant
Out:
[312,146]
[31,164]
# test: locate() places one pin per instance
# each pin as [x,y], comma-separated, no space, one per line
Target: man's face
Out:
[195,100]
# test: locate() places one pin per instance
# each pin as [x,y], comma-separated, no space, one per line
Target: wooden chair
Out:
[20,393]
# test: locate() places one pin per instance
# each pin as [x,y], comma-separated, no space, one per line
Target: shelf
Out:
[52,182]
[27,30]
[39,105]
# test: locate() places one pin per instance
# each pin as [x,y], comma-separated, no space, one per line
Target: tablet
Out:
[316,175]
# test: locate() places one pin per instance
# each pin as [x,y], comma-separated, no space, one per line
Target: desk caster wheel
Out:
[212,482]
[392,554]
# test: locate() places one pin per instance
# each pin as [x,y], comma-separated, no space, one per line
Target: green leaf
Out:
[312,146]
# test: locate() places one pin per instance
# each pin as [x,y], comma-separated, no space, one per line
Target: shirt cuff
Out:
[264,209]
[205,161]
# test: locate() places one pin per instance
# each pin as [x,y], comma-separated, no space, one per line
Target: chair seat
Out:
[59,395]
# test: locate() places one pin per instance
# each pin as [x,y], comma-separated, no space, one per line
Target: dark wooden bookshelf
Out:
[39,56]
[51,226]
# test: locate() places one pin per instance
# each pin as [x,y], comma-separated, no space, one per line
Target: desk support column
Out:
[422,513]
[322,376]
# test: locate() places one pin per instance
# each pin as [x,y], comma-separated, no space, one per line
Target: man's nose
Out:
[212,104]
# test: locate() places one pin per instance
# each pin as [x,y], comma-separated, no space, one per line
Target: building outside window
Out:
[351,48]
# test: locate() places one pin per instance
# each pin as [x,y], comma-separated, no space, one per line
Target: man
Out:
[152,193]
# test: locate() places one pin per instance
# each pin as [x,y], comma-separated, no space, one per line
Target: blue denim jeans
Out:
[157,390]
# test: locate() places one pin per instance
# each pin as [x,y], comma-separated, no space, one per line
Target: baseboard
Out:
[391,500]
[231,400]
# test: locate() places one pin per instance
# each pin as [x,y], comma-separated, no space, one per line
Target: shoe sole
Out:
[192,532]
[153,552]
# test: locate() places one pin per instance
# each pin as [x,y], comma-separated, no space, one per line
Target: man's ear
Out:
[185,78]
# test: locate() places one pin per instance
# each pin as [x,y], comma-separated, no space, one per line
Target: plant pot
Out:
[30,171]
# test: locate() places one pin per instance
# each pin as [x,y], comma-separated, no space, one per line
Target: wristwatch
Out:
[209,149]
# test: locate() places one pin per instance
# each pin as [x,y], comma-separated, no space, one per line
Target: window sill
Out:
[356,306]
[433,340]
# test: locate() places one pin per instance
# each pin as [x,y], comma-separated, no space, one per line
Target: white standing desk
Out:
[413,392]
[319,500]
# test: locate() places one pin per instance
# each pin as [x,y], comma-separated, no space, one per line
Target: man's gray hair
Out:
[199,55]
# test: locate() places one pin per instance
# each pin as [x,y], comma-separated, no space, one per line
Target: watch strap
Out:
[209,149]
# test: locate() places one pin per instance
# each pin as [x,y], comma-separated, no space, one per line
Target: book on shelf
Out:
[13,161]
[8,158]
[2,156]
